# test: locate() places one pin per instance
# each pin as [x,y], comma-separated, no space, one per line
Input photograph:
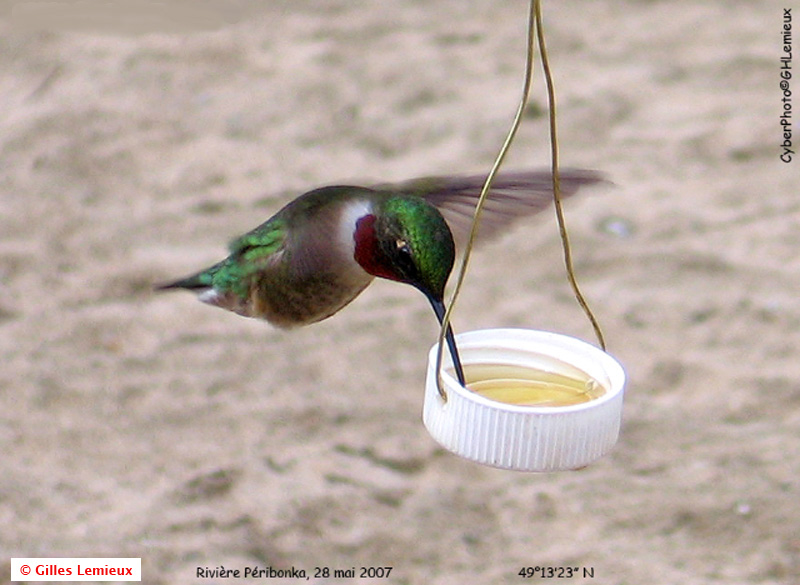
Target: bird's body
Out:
[321,250]
[298,267]
[309,260]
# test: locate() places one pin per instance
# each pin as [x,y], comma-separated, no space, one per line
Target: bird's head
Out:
[406,240]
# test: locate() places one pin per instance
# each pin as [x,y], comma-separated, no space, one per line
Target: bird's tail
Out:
[199,282]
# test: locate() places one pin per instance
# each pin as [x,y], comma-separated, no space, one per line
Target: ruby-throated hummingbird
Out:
[321,250]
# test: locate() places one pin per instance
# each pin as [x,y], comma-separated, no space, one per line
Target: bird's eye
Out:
[404,257]
[403,248]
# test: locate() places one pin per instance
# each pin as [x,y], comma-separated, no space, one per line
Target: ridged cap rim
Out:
[525,438]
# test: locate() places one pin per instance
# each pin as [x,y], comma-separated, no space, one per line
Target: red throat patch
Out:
[367,251]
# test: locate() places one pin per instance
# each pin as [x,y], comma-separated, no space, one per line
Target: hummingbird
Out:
[316,254]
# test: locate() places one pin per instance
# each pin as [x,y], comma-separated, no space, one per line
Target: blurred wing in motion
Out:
[513,195]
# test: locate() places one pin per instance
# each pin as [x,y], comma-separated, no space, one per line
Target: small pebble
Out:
[616,226]
[742,508]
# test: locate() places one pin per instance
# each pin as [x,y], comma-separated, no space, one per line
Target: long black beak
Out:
[438,308]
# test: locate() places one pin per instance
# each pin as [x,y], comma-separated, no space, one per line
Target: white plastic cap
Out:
[525,438]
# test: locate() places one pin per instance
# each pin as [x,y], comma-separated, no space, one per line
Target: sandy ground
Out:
[137,424]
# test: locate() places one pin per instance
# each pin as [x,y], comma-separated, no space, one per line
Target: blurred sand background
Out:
[137,139]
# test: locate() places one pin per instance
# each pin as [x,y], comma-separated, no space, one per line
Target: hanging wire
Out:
[535,32]
[484,193]
[562,226]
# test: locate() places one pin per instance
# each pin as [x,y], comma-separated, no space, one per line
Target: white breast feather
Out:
[352,212]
